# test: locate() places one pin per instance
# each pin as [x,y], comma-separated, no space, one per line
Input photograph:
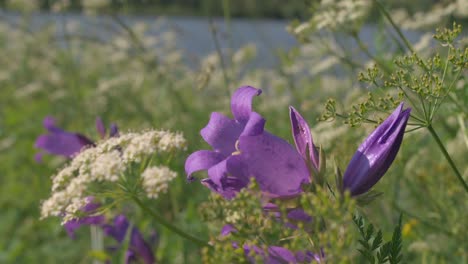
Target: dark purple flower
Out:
[242,149]
[375,155]
[138,249]
[63,143]
[60,142]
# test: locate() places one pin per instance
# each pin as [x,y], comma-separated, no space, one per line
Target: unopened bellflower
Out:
[303,140]
[375,155]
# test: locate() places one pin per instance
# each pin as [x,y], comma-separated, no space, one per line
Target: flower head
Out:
[156,180]
[106,162]
[375,155]
[242,149]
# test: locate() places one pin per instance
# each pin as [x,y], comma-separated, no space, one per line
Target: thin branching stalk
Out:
[447,157]
[428,116]
[214,34]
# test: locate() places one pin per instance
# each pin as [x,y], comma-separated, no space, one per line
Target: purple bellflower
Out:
[63,143]
[375,155]
[242,149]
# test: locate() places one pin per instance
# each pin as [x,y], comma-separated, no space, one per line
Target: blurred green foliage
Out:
[153,87]
[274,9]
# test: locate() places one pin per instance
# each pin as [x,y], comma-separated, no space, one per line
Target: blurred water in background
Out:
[194,34]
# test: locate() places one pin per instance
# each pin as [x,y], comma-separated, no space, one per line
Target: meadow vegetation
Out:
[141,82]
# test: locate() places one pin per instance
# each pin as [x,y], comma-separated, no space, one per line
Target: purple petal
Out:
[201,160]
[277,255]
[49,123]
[241,102]
[118,229]
[62,143]
[221,133]
[217,172]
[303,137]
[308,257]
[74,224]
[114,131]
[140,247]
[227,229]
[101,129]
[231,186]
[227,177]
[278,168]
[254,125]
[298,214]
[130,257]
[375,155]
[90,206]
[38,157]
[251,251]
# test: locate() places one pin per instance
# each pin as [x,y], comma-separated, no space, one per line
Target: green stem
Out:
[213,31]
[400,33]
[447,157]
[397,28]
[96,241]
[168,225]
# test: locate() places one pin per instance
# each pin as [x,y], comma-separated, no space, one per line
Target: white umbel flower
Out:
[108,167]
[108,162]
[156,180]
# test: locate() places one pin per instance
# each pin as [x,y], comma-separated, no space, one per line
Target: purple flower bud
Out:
[303,138]
[375,155]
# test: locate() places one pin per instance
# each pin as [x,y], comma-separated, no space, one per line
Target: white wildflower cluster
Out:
[107,163]
[340,15]
[151,142]
[156,180]
[233,216]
